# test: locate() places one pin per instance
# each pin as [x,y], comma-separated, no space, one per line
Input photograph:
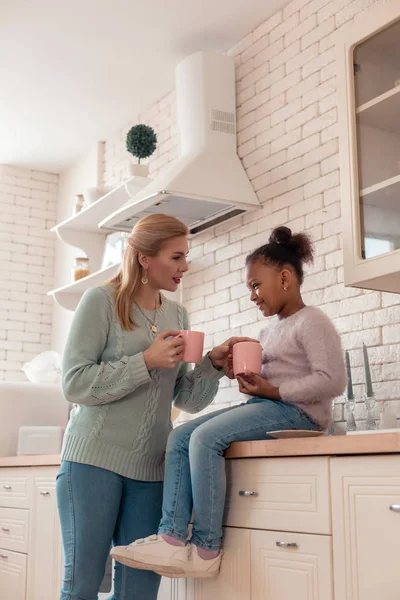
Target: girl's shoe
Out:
[196,567]
[153,554]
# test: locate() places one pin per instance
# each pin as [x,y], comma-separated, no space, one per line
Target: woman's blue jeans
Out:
[195,467]
[97,508]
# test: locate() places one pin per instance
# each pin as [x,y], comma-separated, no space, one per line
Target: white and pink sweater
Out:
[303,357]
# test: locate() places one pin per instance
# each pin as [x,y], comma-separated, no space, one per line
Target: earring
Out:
[145,279]
[284,288]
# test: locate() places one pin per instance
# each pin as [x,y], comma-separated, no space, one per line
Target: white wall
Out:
[287,139]
[87,172]
[28,202]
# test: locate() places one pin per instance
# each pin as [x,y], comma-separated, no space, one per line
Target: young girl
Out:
[302,372]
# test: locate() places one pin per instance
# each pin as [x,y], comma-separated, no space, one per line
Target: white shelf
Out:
[382,112]
[380,186]
[69,295]
[82,230]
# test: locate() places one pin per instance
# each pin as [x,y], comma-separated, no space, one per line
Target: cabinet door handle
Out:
[4,556]
[45,493]
[7,487]
[5,529]
[286,544]
[395,507]
[247,493]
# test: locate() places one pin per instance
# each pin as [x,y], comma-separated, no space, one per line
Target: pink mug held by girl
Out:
[194,344]
[247,357]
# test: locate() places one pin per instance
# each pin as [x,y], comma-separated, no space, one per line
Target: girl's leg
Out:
[177,501]
[207,464]
[155,552]
[88,503]
[139,516]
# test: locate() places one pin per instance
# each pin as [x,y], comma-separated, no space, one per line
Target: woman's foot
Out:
[197,567]
[153,554]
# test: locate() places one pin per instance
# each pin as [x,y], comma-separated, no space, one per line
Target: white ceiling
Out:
[72,73]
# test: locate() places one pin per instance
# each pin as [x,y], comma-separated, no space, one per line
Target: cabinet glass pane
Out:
[377,96]
[377,64]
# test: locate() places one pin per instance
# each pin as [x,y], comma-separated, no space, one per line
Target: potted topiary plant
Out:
[141,142]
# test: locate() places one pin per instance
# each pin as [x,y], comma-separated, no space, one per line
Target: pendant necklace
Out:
[153,323]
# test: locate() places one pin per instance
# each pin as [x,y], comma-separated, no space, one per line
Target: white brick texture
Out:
[287,140]
[28,203]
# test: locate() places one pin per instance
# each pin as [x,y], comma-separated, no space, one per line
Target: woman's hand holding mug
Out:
[221,356]
[164,353]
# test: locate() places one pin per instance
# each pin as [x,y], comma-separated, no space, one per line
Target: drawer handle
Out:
[247,493]
[7,487]
[45,493]
[5,529]
[395,507]
[4,556]
[286,544]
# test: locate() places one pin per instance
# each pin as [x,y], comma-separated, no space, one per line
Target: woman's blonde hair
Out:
[147,237]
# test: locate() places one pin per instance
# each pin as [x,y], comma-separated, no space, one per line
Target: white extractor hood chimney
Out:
[207,184]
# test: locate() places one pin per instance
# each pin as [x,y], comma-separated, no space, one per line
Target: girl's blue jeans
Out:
[195,468]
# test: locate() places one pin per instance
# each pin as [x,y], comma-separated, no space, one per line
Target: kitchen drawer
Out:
[14,527]
[14,488]
[13,568]
[291,565]
[284,494]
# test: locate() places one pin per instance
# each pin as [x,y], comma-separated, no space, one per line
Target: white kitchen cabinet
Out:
[266,565]
[290,565]
[44,567]
[172,589]
[353,504]
[30,540]
[233,580]
[279,494]
[368,72]
[12,575]
[366,525]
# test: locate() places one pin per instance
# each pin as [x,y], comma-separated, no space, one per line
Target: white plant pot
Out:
[136,170]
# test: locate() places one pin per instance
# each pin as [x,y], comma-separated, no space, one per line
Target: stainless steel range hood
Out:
[207,184]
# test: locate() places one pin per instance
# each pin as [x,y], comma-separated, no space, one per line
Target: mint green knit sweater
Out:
[123,420]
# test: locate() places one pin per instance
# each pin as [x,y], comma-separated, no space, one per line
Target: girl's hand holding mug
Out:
[255,385]
[164,353]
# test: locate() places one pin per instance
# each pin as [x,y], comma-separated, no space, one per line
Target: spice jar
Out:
[79,203]
[80,268]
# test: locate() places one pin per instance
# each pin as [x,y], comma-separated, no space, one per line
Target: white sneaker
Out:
[196,567]
[153,554]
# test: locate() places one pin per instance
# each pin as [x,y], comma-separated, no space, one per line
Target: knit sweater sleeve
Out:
[327,377]
[196,388]
[85,378]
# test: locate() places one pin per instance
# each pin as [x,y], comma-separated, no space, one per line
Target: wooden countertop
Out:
[365,443]
[368,443]
[40,460]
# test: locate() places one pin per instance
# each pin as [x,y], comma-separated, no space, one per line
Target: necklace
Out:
[153,323]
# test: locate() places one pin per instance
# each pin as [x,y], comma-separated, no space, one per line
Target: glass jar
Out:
[80,268]
[79,203]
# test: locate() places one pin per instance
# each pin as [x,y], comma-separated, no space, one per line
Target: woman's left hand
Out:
[255,385]
[221,356]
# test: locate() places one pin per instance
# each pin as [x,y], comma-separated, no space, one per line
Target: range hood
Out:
[207,184]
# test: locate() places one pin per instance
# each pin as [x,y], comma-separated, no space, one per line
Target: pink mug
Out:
[194,344]
[247,357]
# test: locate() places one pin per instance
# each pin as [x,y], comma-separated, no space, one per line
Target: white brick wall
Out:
[287,139]
[28,201]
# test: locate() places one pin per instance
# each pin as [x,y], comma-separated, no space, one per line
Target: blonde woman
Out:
[122,367]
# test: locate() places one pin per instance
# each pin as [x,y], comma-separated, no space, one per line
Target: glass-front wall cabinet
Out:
[369,131]
[377,99]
